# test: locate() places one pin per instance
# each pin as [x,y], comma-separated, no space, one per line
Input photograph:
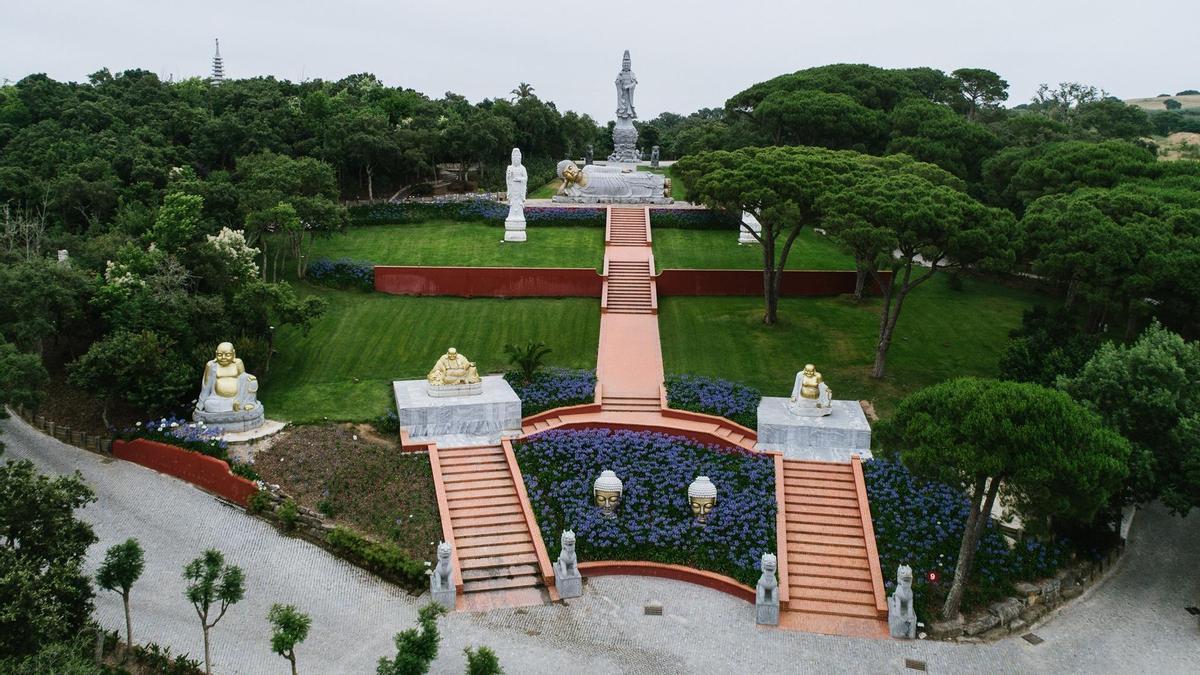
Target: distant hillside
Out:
[1156,103]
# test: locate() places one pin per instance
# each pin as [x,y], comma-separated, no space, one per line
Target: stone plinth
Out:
[232,421]
[454,390]
[514,229]
[453,421]
[831,438]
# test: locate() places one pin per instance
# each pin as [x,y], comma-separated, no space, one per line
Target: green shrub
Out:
[387,424]
[259,502]
[288,514]
[325,507]
[244,470]
[482,661]
[386,560]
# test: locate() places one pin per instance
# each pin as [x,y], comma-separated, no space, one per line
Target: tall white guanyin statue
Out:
[516,178]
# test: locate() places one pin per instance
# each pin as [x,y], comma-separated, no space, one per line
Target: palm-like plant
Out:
[524,90]
[527,358]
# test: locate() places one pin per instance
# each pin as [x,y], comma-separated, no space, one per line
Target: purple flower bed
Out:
[921,523]
[342,273]
[553,388]
[181,433]
[654,519]
[712,396]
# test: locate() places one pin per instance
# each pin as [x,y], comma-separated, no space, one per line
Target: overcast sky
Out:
[686,55]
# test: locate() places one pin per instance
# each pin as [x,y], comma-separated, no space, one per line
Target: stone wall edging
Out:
[712,580]
[1016,614]
[101,445]
[208,473]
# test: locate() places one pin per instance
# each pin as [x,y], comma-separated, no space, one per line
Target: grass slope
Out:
[464,245]
[678,193]
[343,368]
[942,334]
[718,249]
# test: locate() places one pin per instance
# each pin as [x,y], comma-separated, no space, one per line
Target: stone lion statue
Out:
[441,580]
[567,564]
[902,618]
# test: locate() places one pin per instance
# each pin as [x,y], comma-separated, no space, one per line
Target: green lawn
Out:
[464,245]
[718,249]
[942,334]
[343,368]
[546,191]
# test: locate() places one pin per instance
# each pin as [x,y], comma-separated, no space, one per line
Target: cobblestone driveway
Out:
[1133,622]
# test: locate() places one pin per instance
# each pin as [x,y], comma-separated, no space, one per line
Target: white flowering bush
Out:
[232,246]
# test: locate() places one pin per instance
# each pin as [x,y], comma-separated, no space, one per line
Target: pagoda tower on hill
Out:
[218,67]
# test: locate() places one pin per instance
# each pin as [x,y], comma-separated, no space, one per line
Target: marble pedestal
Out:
[568,585]
[232,420]
[749,224]
[831,438]
[514,229]
[456,421]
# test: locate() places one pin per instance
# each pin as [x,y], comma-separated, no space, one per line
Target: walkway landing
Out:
[629,363]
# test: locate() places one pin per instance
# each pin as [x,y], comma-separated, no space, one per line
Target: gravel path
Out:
[1132,622]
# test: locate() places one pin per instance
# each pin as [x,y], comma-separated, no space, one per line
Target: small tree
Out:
[415,648]
[123,564]
[527,358]
[1172,104]
[482,661]
[1051,456]
[289,627]
[212,582]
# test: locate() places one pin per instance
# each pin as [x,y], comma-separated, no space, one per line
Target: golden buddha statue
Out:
[453,368]
[226,386]
[810,395]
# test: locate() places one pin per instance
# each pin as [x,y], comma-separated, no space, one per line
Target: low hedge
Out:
[342,273]
[485,210]
[385,560]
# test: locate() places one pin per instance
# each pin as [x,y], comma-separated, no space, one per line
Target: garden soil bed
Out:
[359,479]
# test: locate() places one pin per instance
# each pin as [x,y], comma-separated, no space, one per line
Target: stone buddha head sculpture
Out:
[702,495]
[570,174]
[225,354]
[607,492]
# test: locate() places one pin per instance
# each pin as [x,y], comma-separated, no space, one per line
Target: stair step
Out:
[469,553]
[809,582]
[499,584]
[484,495]
[467,460]
[832,608]
[472,467]
[846,512]
[804,500]
[833,540]
[806,522]
[499,572]
[835,550]
[823,572]
[498,561]
[477,476]
[833,595]
[481,511]
[827,561]
[516,526]
[479,484]
[467,522]
[463,541]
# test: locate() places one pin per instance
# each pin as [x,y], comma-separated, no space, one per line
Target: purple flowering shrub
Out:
[553,388]
[920,523]
[654,519]
[712,396]
[342,273]
[194,436]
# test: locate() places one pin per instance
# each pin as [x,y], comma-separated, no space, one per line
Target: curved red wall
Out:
[750,282]
[489,282]
[207,472]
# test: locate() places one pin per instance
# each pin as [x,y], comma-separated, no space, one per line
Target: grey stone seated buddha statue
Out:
[228,397]
[611,185]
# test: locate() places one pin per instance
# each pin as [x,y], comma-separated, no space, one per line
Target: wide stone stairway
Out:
[496,554]
[832,569]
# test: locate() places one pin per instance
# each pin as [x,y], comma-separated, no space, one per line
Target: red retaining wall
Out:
[207,472]
[489,282]
[750,282]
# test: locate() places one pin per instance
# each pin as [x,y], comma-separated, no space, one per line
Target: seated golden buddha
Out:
[810,395]
[228,394]
[453,369]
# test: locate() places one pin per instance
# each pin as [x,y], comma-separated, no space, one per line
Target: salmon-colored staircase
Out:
[832,568]
[484,518]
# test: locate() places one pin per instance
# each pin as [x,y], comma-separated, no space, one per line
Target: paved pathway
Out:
[1134,622]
